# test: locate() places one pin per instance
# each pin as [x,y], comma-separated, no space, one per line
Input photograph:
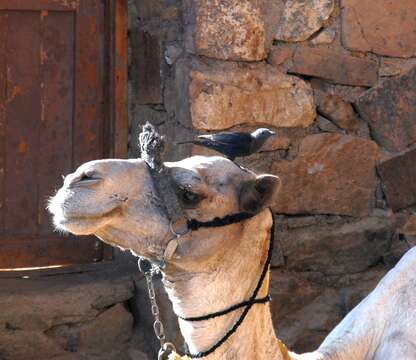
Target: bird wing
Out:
[229,138]
[230,144]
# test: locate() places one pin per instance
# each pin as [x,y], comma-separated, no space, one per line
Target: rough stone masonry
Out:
[337,79]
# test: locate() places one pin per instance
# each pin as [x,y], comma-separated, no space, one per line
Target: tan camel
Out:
[212,269]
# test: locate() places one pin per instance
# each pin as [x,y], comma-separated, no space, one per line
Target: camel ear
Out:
[259,193]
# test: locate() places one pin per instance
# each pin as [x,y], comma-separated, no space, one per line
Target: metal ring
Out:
[169,346]
[159,329]
[166,349]
[155,310]
[145,266]
[172,230]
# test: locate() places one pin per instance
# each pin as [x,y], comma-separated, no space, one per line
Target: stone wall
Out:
[76,316]
[337,80]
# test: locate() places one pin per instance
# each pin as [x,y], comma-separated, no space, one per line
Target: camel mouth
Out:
[87,218]
[67,217]
[83,225]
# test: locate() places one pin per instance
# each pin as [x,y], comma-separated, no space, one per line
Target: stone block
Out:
[17,344]
[39,304]
[338,111]
[240,30]
[409,226]
[337,248]
[355,287]
[326,36]
[260,163]
[231,94]
[280,54]
[172,53]
[393,67]
[292,290]
[107,355]
[304,310]
[304,330]
[306,306]
[332,174]
[346,92]
[145,67]
[111,328]
[326,126]
[335,66]
[147,9]
[399,180]
[390,111]
[277,142]
[384,28]
[302,221]
[301,19]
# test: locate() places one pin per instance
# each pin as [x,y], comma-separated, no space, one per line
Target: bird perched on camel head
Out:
[234,144]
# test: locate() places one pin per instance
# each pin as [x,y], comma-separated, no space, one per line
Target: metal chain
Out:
[157,325]
[149,270]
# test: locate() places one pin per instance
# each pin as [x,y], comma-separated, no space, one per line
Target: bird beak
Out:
[273,132]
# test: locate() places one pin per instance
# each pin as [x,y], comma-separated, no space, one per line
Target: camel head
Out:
[116,200]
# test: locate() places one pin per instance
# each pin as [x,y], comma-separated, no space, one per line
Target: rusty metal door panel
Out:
[39,5]
[88,125]
[22,119]
[52,118]
[3,71]
[57,98]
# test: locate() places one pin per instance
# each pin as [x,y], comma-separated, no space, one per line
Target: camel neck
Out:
[232,280]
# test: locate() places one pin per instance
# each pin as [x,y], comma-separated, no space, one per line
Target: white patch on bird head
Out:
[262,133]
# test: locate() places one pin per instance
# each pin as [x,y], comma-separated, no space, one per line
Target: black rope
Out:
[217,222]
[262,300]
[250,302]
[194,224]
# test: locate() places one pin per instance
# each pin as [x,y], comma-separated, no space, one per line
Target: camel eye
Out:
[87,178]
[189,198]
[84,177]
[89,174]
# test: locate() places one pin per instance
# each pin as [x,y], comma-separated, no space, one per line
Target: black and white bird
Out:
[233,144]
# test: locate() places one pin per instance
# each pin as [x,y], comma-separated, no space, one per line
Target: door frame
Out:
[116,108]
[117,96]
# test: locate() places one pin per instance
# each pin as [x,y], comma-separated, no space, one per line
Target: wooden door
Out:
[56,112]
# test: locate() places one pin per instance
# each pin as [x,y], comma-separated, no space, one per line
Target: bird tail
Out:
[185,142]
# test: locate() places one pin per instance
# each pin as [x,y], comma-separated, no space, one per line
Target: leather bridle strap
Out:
[194,225]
